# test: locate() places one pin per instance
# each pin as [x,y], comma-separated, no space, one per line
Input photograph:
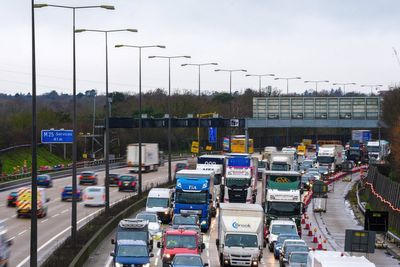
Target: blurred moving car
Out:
[66,193]
[88,177]
[113,179]
[12,199]
[94,196]
[154,224]
[188,260]
[127,182]
[44,180]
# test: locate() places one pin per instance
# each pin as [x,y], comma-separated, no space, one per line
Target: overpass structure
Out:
[316,112]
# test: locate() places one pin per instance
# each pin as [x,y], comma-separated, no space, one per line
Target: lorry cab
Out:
[5,245]
[133,229]
[160,201]
[131,253]
[179,241]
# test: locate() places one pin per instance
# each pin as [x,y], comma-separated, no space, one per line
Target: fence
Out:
[384,195]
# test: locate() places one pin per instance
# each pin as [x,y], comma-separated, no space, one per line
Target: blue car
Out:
[66,194]
[188,260]
[44,180]
[279,243]
[131,253]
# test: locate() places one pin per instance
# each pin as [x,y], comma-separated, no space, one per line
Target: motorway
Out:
[55,227]
[331,226]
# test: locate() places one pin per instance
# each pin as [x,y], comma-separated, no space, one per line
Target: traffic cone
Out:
[310,233]
[324,245]
[315,239]
[303,219]
[307,227]
[320,247]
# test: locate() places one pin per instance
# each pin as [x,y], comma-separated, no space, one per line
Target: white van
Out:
[94,196]
[160,201]
[278,227]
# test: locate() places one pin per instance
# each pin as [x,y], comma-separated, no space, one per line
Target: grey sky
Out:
[341,41]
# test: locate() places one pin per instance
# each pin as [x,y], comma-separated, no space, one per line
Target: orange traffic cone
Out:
[310,233]
[307,227]
[315,239]
[303,219]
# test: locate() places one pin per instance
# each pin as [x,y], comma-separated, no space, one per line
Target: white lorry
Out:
[5,245]
[281,161]
[150,157]
[331,156]
[320,258]
[378,150]
[240,238]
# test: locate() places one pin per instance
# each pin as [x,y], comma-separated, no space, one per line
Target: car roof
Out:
[86,172]
[294,241]
[180,232]
[131,242]
[188,255]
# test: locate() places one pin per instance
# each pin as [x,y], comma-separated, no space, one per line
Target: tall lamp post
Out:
[74,124]
[199,65]
[169,108]
[140,47]
[287,81]
[230,93]
[107,115]
[372,86]
[344,86]
[259,79]
[316,84]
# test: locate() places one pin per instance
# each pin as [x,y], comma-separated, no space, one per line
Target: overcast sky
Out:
[336,40]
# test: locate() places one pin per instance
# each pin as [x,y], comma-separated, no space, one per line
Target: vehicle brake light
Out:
[80,176]
[9,198]
[91,177]
[133,183]
[104,197]
[119,183]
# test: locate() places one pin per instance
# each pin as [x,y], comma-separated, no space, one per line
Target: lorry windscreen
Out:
[240,182]
[157,202]
[241,240]
[373,149]
[283,208]
[354,152]
[280,166]
[191,197]
[132,251]
[181,241]
[325,159]
[132,235]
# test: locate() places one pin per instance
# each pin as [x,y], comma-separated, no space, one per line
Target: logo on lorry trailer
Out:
[282,180]
[236,225]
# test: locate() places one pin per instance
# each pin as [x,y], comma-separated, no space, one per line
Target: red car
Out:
[11,199]
[179,241]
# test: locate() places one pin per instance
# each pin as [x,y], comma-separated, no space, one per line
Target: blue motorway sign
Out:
[57,136]
[212,135]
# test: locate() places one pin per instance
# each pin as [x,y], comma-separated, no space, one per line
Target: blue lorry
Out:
[194,195]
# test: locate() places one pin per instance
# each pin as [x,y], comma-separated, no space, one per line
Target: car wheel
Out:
[270,248]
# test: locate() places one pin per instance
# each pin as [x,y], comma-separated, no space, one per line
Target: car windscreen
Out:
[127,178]
[157,202]
[42,177]
[132,251]
[94,190]
[147,217]
[87,174]
[283,229]
[291,248]
[180,241]
[241,240]
[185,220]
[132,235]
[187,260]
[298,258]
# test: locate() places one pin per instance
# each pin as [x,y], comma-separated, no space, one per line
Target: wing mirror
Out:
[112,254]
[203,246]
[112,241]
[217,242]
[151,255]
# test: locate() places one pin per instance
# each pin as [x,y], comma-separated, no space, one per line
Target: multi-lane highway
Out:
[55,227]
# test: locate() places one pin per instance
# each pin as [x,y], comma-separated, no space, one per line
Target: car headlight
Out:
[203,222]
[254,263]
[166,212]
[118,264]
[167,256]
[146,265]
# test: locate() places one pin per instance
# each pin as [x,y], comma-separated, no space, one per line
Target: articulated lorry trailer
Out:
[240,238]
[150,157]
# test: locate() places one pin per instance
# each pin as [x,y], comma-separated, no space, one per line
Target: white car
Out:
[154,223]
[94,196]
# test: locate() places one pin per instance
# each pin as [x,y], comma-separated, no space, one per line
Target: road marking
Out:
[65,210]
[24,261]
[55,215]
[57,199]
[21,233]
[109,261]
[44,221]
[208,253]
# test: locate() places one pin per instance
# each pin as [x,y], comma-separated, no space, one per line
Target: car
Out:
[181,166]
[306,180]
[66,193]
[127,182]
[131,253]
[305,165]
[113,179]
[324,171]
[12,199]
[88,177]
[298,259]
[94,196]
[188,260]
[154,223]
[279,243]
[44,180]
[286,250]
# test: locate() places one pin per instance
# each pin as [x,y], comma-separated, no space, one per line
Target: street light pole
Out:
[169,110]
[344,86]
[371,86]
[74,228]
[316,84]
[199,93]
[259,79]
[107,115]
[140,105]
[287,82]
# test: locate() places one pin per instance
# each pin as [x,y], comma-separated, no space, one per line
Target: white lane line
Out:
[21,233]
[24,261]
[65,210]
[158,256]
[45,220]
[208,253]
[55,215]
[109,261]
[57,199]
